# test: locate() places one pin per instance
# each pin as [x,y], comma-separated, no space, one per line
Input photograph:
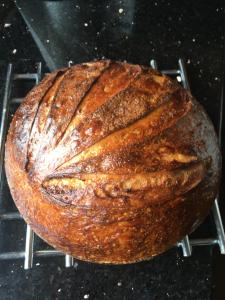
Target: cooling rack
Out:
[8,216]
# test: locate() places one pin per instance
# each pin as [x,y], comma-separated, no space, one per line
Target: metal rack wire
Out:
[29,253]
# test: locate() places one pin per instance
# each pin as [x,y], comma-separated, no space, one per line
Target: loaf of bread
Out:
[112,162]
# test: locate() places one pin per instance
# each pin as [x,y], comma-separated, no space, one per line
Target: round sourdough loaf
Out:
[112,162]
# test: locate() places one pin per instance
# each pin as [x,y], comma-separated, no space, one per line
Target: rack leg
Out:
[186,246]
[219,226]
[28,260]
[4,116]
[68,261]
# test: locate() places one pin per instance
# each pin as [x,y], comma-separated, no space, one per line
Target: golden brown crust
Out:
[117,162]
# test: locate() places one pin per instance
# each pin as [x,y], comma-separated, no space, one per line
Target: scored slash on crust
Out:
[157,186]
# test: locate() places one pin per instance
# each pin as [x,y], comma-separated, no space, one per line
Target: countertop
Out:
[136,31]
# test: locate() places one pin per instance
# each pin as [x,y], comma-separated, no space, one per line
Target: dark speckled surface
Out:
[124,30]
[165,277]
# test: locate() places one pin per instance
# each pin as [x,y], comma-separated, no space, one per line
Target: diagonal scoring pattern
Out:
[104,109]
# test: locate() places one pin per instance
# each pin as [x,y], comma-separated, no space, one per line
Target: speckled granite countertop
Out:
[60,31]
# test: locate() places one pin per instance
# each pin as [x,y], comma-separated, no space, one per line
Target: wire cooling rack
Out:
[7,216]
